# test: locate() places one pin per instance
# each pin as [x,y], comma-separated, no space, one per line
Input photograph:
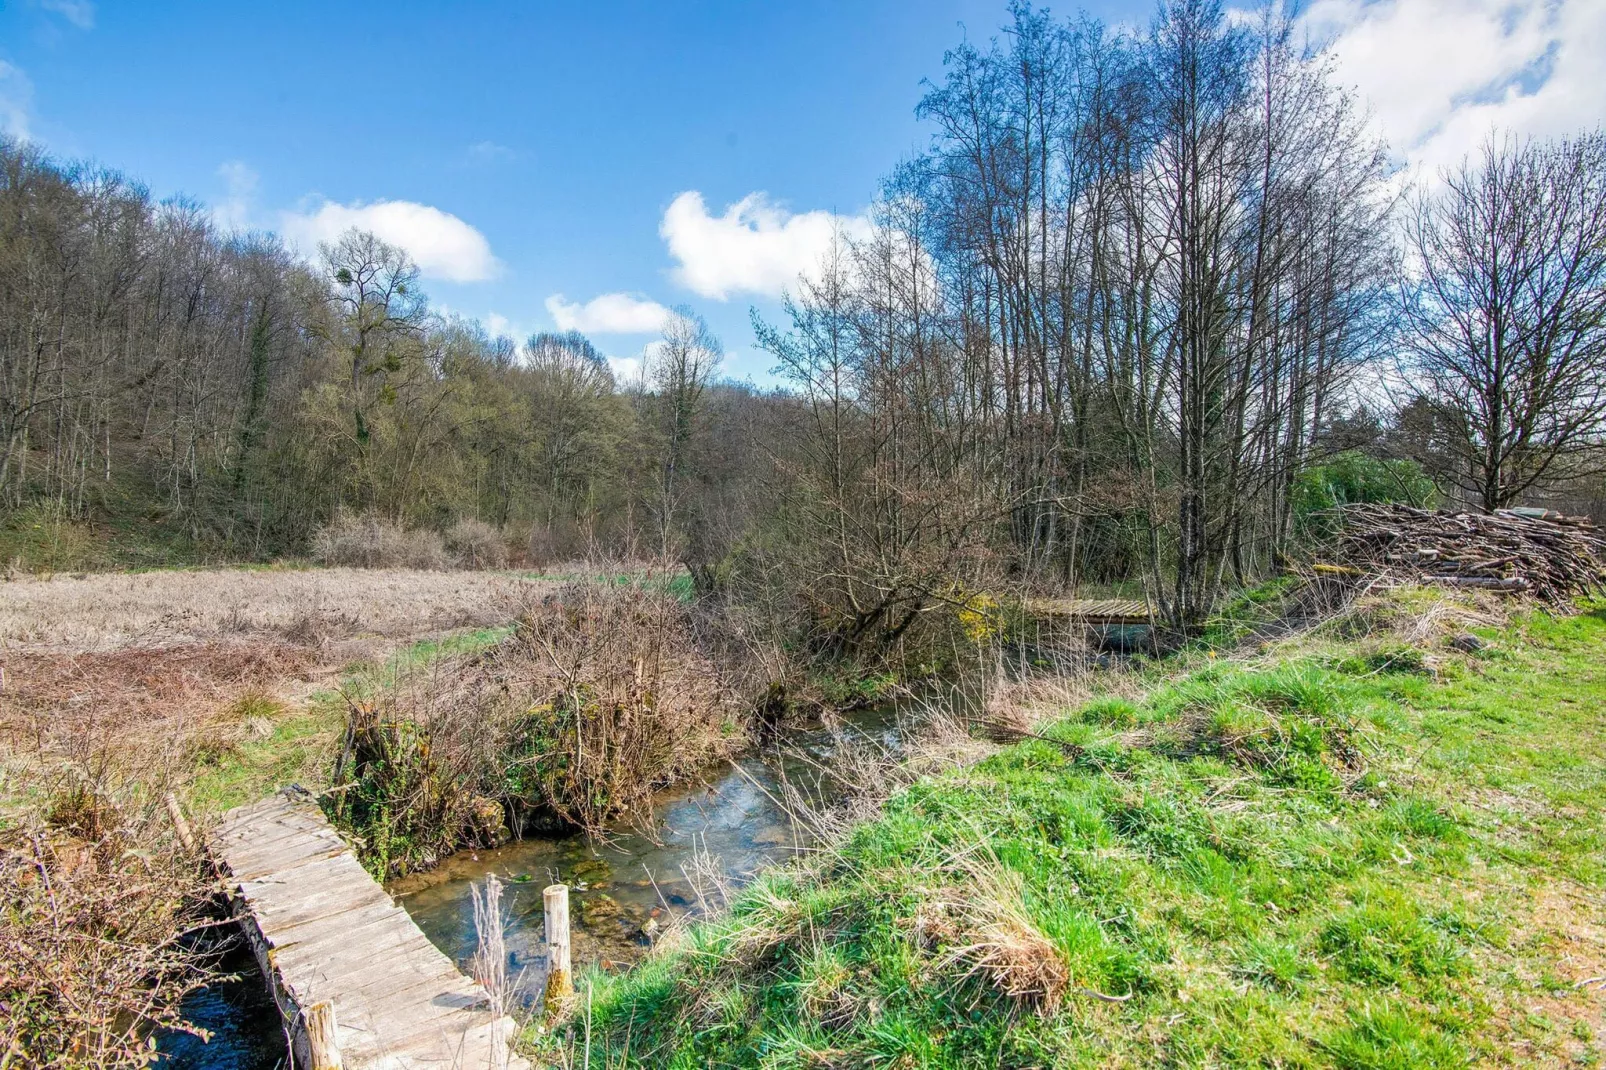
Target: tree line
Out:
[1139,287]
[152,366]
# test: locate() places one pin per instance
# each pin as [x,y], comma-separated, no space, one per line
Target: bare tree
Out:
[1505,312]
[381,313]
[680,368]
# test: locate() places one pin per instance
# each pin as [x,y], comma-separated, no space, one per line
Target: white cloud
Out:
[16,100]
[1441,74]
[498,325]
[625,370]
[81,13]
[443,246]
[615,313]
[756,246]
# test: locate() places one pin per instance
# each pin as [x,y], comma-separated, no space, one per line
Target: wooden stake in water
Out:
[319,1020]
[559,978]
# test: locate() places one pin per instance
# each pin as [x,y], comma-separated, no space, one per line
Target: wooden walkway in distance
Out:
[323,929]
[1093,610]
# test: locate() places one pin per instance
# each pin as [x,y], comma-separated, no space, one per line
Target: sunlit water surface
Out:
[625,888]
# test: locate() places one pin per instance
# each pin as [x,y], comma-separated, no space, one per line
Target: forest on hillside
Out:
[1145,302]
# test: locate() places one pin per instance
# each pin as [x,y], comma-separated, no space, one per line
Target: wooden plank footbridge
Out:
[358,983]
[1095,611]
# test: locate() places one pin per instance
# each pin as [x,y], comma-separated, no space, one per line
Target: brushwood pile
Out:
[1534,552]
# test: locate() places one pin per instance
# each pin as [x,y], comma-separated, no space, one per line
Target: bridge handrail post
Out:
[559,978]
[322,1042]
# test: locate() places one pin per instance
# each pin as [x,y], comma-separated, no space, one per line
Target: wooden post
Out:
[559,978]
[181,826]
[322,1042]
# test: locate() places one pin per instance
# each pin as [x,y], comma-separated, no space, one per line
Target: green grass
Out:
[293,751]
[1348,853]
[300,744]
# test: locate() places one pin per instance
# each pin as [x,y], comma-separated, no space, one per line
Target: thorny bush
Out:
[96,899]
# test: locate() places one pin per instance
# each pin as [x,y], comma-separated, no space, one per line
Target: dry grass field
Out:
[101,612]
[206,675]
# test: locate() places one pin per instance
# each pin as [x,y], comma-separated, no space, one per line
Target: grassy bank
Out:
[1371,846]
[284,743]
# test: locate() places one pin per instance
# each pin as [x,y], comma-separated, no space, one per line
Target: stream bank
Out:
[628,886]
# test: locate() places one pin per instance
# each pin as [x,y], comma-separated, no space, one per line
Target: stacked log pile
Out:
[1542,554]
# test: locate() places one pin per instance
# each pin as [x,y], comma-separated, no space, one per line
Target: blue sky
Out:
[527,151]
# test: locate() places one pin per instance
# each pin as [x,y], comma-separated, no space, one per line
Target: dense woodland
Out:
[1118,324]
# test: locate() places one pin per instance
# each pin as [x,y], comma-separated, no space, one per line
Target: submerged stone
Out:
[599,909]
[592,871]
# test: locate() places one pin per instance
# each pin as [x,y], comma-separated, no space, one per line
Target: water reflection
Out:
[240,1016]
[626,888]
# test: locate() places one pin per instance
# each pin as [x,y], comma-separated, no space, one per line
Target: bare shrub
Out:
[615,679]
[416,762]
[370,541]
[93,902]
[600,697]
[551,544]
[473,543]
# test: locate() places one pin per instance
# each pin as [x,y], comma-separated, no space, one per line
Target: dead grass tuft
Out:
[989,935]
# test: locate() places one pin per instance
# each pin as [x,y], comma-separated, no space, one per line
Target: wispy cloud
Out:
[1440,75]
[444,246]
[81,13]
[615,313]
[489,152]
[16,100]
[235,211]
[755,246]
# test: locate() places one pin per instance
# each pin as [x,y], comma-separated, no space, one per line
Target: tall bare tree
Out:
[1505,312]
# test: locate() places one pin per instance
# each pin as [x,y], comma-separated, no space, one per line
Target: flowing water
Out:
[626,887]
[240,1017]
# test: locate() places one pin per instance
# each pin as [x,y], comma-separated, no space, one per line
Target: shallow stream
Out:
[624,888]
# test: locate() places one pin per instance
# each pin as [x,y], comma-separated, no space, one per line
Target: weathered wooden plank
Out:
[275,867]
[367,936]
[342,901]
[325,931]
[1093,610]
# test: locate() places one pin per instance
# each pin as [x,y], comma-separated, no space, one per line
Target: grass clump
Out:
[1329,855]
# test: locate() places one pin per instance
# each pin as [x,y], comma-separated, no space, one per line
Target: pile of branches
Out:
[1544,555]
